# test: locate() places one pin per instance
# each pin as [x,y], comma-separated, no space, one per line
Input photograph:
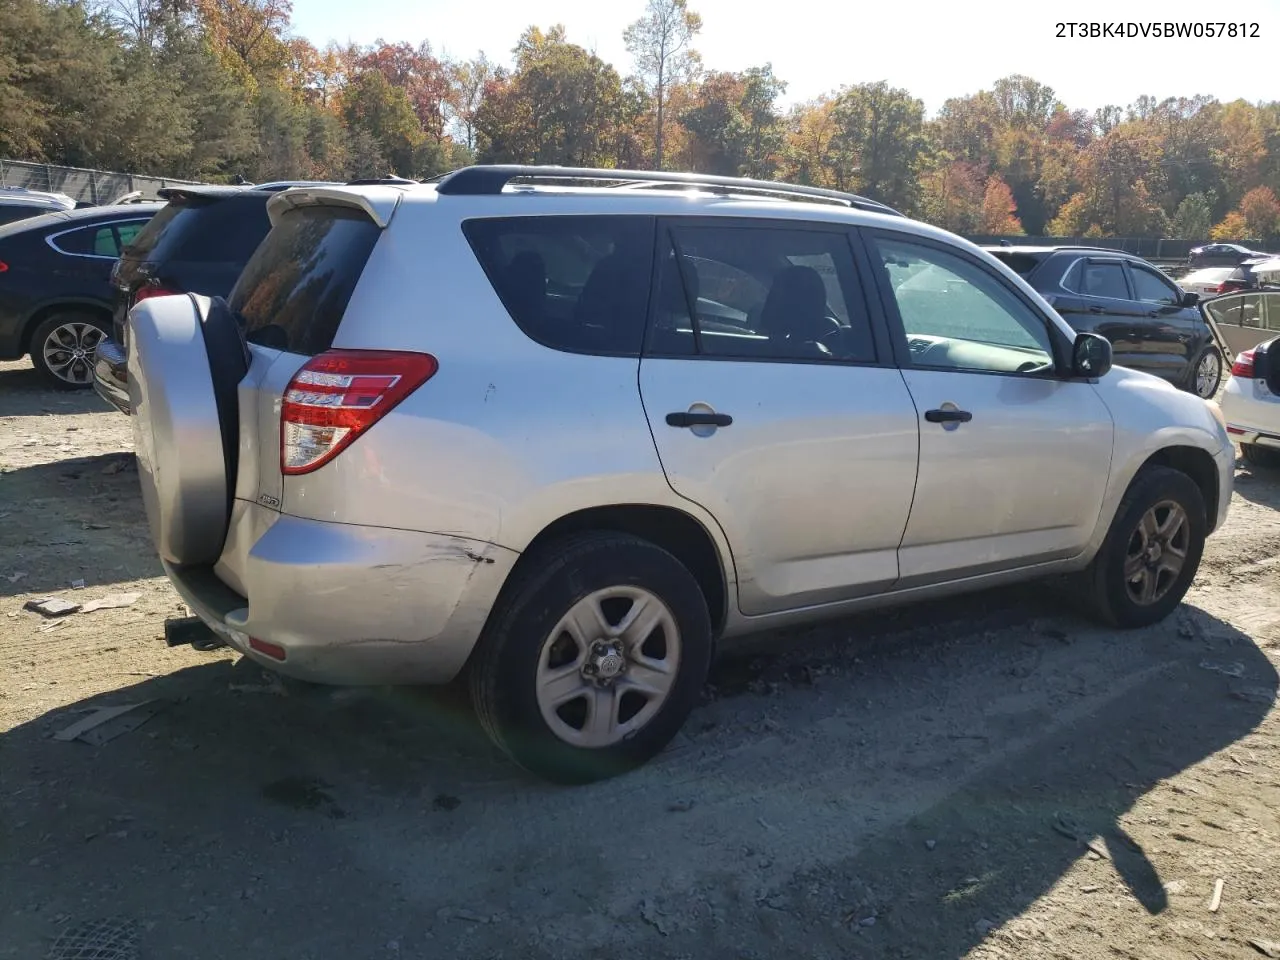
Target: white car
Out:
[1212,281]
[1251,404]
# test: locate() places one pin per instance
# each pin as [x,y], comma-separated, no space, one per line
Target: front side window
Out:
[958,316]
[760,293]
[574,283]
[1152,288]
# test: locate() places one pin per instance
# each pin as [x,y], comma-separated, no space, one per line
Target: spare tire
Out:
[186,358]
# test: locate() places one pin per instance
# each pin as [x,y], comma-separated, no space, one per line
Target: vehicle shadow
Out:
[24,392]
[1258,485]
[271,818]
[75,519]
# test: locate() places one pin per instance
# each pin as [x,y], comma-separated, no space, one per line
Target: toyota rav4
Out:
[565,429]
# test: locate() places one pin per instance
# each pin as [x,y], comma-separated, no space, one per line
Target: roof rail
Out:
[372,181]
[487,180]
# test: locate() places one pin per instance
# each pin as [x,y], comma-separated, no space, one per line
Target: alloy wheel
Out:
[1157,552]
[69,349]
[608,666]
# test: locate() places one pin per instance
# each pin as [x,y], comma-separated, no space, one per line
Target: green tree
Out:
[880,134]
[660,41]
[734,125]
[371,105]
[1194,217]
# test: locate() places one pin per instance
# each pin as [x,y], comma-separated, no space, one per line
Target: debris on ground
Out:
[111,939]
[1229,669]
[77,584]
[16,576]
[679,806]
[1268,948]
[1216,900]
[51,606]
[107,723]
[1071,830]
[111,602]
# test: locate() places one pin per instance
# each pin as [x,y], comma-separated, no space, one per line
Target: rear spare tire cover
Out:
[185,418]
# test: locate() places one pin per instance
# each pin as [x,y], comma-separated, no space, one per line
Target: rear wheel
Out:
[1206,374]
[594,658]
[1257,456]
[63,348]
[1152,551]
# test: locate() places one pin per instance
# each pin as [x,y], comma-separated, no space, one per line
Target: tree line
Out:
[215,89]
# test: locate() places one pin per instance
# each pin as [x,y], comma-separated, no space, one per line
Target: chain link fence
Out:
[84,186]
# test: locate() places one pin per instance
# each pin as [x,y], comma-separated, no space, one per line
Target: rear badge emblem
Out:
[269,501]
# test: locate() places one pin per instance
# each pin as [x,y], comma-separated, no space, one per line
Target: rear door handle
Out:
[1094,308]
[685,419]
[948,416]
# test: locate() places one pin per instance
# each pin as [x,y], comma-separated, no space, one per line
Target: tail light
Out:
[4,267]
[338,395]
[149,291]
[1243,367]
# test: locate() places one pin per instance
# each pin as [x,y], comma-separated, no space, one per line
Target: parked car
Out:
[1215,281]
[17,203]
[452,426]
[55,291]
[1246,318]
[198,243]
[1251,404]
[1152,323]
[1220,255]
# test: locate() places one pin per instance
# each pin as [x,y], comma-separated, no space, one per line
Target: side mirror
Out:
[1190,299]
[1090,356]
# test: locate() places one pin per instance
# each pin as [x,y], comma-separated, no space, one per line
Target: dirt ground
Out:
[990,777]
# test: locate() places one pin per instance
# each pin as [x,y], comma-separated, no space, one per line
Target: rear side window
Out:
[579,284]
[203,230]
[296,286]
[1102,279]
[14,212]
[1020,263]
[102,240]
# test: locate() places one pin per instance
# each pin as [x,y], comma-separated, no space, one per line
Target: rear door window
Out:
[1103,279]
[578,284]
[296,286]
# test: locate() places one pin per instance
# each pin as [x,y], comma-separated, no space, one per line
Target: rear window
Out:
[201,230]
[1020,263]
[296,286]
[578,284]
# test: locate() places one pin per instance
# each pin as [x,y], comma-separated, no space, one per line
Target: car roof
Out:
[69,218]
[1058,248]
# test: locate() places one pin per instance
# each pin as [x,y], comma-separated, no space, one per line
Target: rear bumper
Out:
[111,375]
[1252,412]
[354,605]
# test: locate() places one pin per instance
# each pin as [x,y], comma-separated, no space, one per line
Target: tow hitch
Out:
[190,631]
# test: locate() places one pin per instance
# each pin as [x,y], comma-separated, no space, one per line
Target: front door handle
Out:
[685,419]
[948,416]
[1094,308]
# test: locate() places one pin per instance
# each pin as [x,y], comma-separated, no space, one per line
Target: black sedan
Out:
[55,286]
[1221,255]
[1153,325]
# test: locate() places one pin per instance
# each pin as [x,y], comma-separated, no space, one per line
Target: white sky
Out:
[932,48]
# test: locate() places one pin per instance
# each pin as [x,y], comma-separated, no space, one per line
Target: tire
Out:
[1107,589]
[1206,374]
[1263,457]
[62,348]
[526,637]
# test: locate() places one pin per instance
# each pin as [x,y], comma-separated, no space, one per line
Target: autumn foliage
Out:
[214,89]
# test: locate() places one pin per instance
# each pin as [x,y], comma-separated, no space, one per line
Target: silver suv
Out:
[567,428]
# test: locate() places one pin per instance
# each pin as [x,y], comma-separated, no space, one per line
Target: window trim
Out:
[50,238]
[881,340]
[1135,268]
[1059,344]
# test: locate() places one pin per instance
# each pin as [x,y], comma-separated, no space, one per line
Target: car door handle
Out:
[1094,308]
[685,419]
[948,416]
[1153,313]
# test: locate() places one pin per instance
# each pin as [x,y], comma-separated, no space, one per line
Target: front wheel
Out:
[1206,374]
[63,348]
[593,659]
[1152,551]
[1257,456]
